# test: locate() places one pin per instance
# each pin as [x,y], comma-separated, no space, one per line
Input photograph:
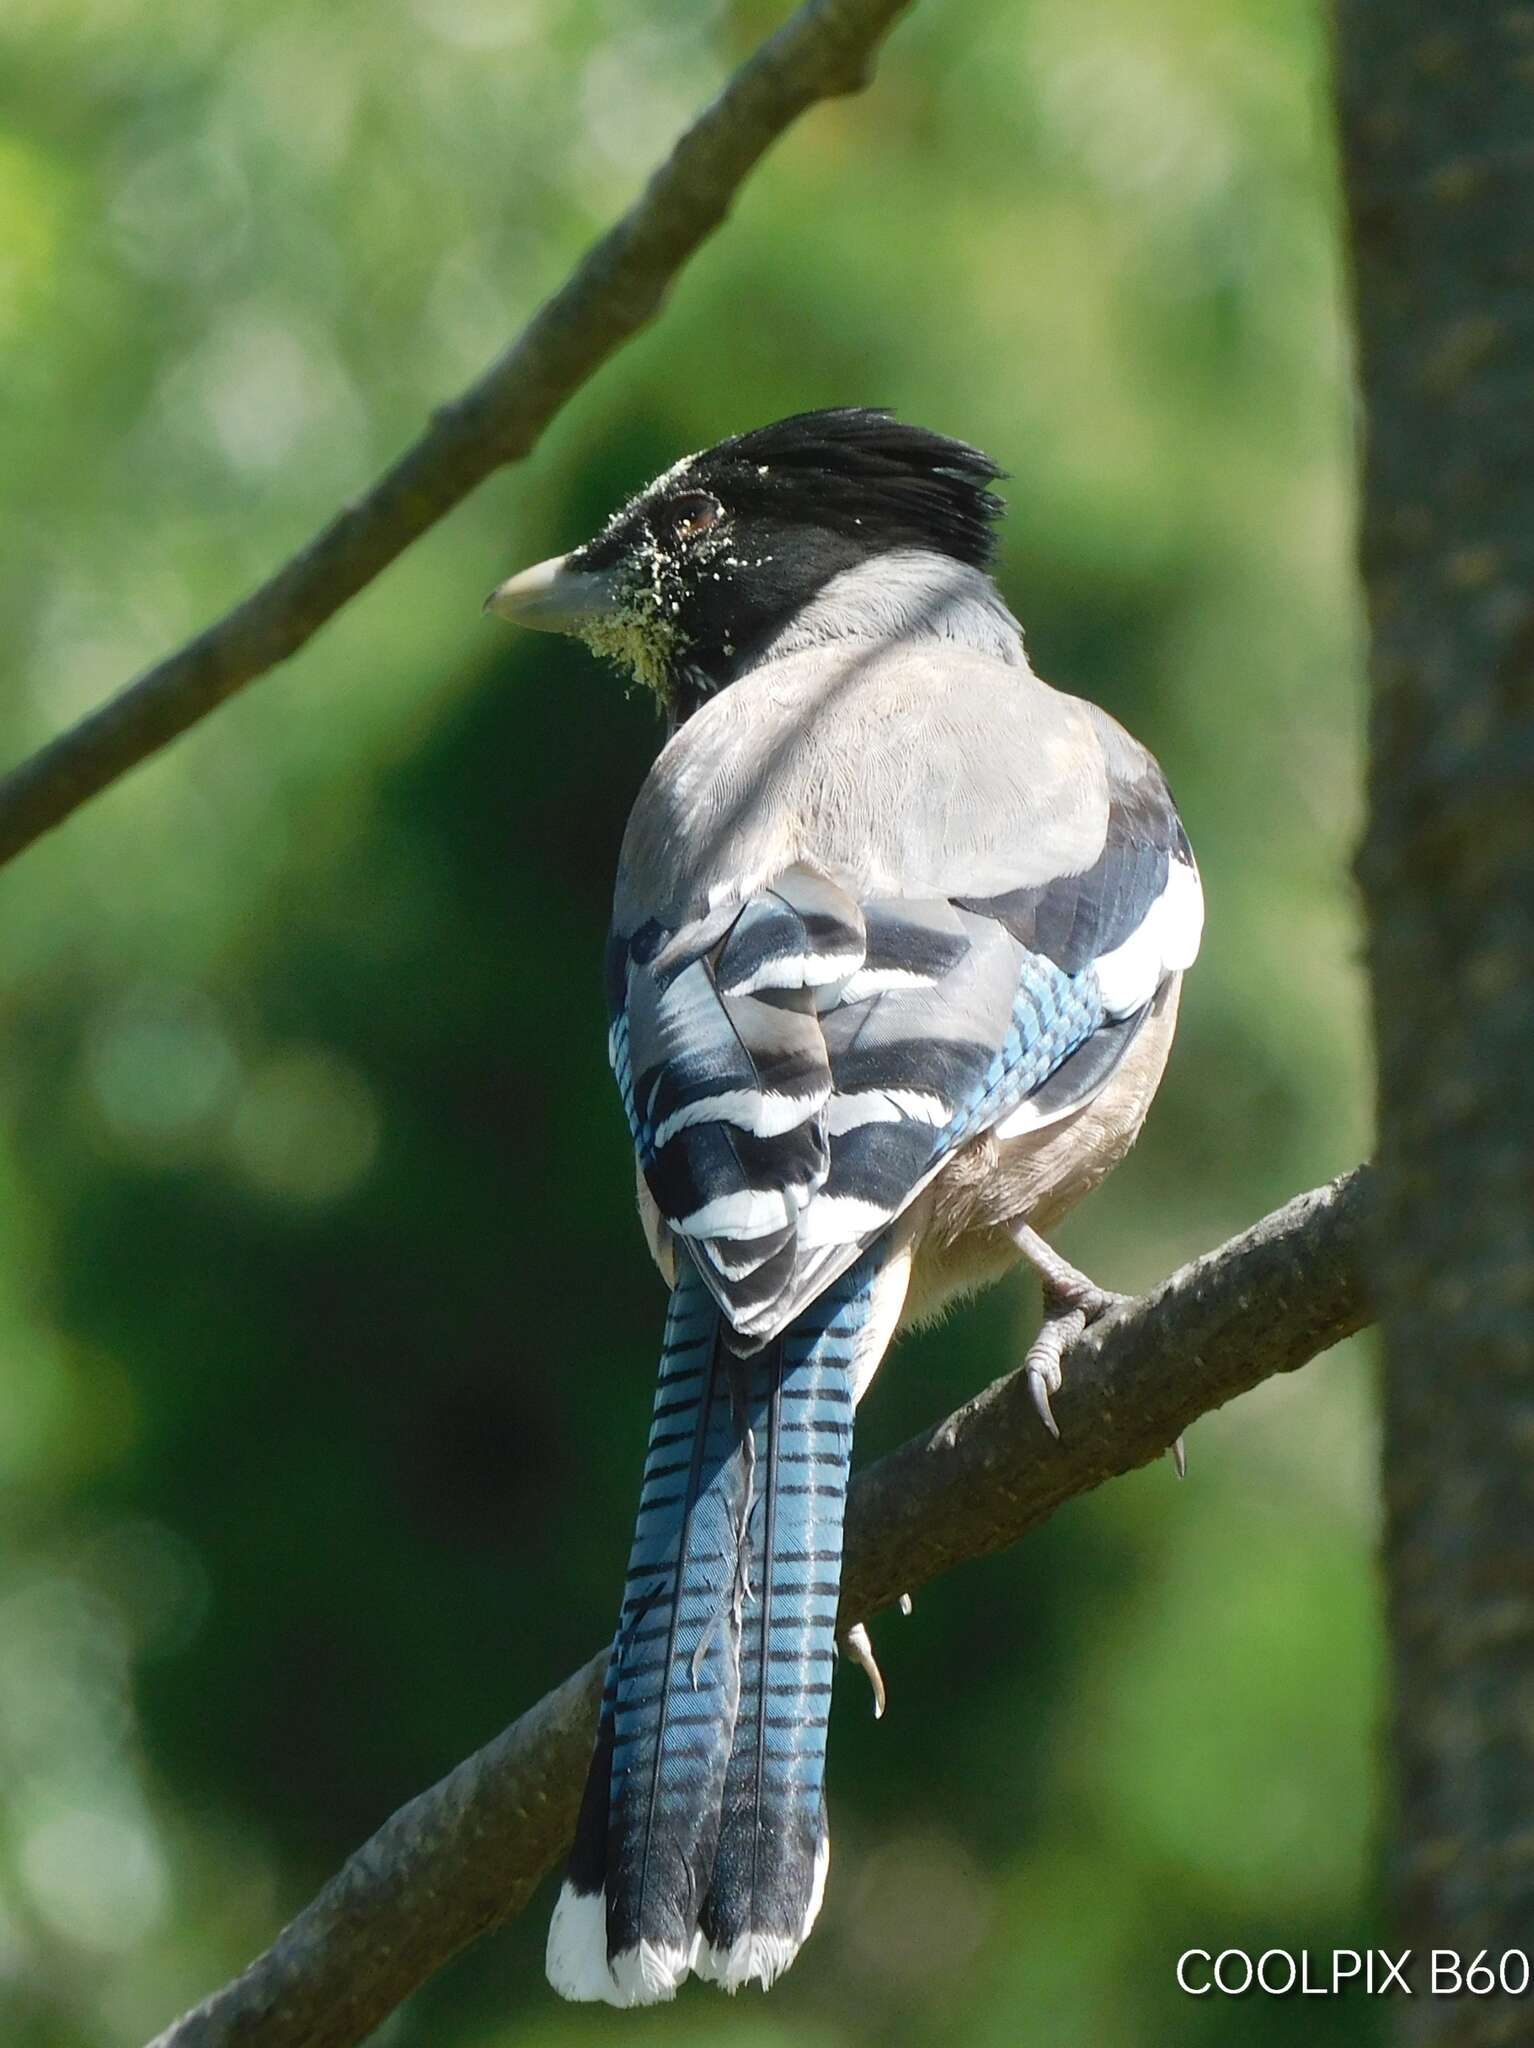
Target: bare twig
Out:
[467,1855]
[825,50]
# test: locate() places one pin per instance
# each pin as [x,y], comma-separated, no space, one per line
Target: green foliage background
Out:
[326,1331]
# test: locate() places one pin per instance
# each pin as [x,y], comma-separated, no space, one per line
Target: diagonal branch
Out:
[467,1855]
[823,51]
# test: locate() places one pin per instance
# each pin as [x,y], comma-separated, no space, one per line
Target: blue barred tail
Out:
[770,1866]
[701,1842]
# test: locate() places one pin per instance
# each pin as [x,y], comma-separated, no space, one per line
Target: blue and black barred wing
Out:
[925,1057]
[796,1068]
[722,1063]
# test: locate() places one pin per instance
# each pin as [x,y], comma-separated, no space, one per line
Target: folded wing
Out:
[797,1066]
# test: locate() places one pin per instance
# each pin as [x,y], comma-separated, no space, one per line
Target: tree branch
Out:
[468,1854]
[823,51]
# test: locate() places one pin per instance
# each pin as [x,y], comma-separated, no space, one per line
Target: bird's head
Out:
[714,558]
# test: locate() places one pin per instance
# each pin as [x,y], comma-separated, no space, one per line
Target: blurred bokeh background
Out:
[306,1134]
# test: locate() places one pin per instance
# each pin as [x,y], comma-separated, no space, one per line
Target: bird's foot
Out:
[1071,1303]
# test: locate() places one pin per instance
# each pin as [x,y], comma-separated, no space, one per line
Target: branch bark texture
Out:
[1438,113]
[823,51]
[468,1854]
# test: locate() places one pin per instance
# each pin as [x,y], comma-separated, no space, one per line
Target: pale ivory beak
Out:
[552,598]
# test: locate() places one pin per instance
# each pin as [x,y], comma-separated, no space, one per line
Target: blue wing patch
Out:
[794,1074]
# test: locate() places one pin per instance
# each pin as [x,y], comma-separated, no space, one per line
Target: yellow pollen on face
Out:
[641,644]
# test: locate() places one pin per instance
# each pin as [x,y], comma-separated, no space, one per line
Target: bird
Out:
[897,944]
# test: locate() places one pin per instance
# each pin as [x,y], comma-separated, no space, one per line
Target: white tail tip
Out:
[576,1956]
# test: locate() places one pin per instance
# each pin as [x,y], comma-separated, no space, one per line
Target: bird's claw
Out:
[860,1649]
[1061,1328]
[1178,1453]
[1040,1388]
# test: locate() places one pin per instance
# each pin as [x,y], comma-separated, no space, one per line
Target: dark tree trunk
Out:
[1438,164]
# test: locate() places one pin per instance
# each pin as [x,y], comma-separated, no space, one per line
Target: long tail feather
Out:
[770,1868]
[624,1929]
[702,1838]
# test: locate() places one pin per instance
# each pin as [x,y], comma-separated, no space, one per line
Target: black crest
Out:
[858,470]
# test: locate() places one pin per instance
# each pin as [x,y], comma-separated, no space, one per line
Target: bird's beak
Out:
[551,597]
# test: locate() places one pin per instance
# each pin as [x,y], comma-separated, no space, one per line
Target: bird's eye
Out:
[694,512]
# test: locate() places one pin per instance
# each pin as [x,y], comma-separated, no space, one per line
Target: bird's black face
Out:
[715,557]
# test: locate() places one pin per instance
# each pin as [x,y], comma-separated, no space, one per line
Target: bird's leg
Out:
[1071,1301]
[1063,1283]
